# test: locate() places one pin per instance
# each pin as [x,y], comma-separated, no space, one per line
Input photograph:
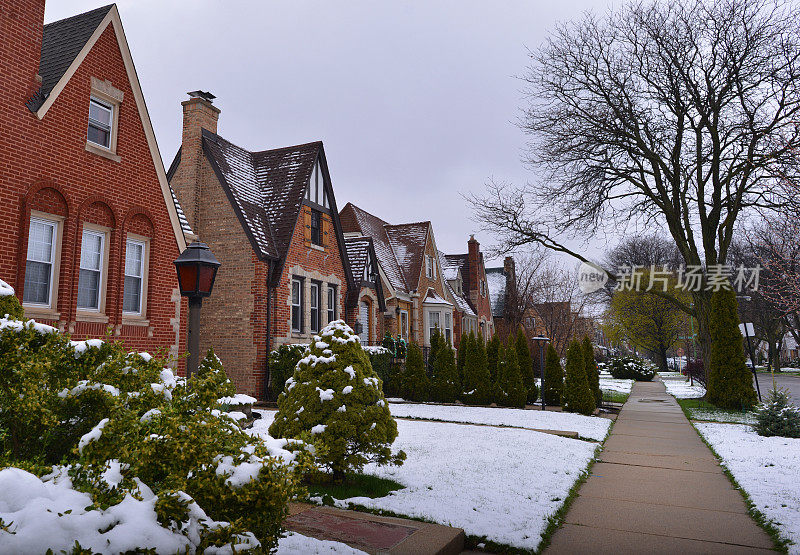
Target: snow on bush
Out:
[777,416]
[310,406]
[132,437]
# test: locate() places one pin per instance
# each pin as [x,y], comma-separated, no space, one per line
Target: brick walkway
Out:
[657,488]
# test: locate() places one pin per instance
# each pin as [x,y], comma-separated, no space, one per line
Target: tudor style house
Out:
[270,217]
[89,229]
[417,296]
[466,281]
[366,311]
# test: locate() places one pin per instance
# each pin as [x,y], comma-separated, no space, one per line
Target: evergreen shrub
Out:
[477,384]
[577,396]
[9,303]
[509,389]
[592,371]
[281,366]
[415,382]
[526,365]
[446,385]
[777,416]
[631,368]
[553,387]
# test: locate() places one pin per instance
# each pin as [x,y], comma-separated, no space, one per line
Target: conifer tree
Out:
[509,389]
[592,371]
[553,387]
[335,400]
[446,385]
[526,365]
[493,356]
[463,345]
[730,383]
[415,383]
[578,395]
[477,382]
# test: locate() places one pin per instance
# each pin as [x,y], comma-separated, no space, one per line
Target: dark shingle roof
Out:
[408,243]
[61,42]
[185,227]
[496,281]
[265,187]
[357,251]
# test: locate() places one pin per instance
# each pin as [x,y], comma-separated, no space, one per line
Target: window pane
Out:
[37,283]
[40,241]
[89,289]
[99,113]
[133,259]
[132,297]
[91,251]
[99,136]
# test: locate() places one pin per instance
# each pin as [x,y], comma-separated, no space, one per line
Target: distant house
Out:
[89,229]
[465,275]
[270,217]
[368,304]
[417,297]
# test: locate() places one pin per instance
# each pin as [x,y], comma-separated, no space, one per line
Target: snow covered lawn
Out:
[590,427]
[767,469]
[501,483]
[295,543]
[610,383]
[680,387]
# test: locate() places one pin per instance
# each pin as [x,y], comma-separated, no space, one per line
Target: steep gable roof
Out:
[355,219]
[62,41]
[408,243]
[358,254]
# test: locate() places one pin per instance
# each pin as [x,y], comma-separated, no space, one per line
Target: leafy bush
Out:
[577,395]
[730,383]
[123,424]
[9,303]
[415,383]
[777,416]
[631,368]
[526,366]
[592,371]
[335,401]
[281,366]
[553,387]
[477,381]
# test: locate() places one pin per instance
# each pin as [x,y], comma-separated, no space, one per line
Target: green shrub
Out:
[389,344]
[553,387]
[730,383]
[335,401]
[282,362]
[415,383]
[463,346]
[631,368]
[778,416]
[493,357]
[446,386]
[9,303]
[384,365]
[577,395]
[509,389]
[477,382]
[526,365]
[592,371]
[125,424]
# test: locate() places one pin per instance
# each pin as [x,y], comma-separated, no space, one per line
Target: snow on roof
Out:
[357,253]
[496,282]
[451,264]
[408,243]
[185,227]
[434,298]
[462,304]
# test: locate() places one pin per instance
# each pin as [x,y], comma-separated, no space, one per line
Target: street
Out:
[792,383]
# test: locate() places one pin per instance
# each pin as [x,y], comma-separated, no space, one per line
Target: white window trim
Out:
[48,311]
[54,225]
[137,317]
[299,304]
[311,308]
[98,314]
[330,307]
[104,93]
[404,330]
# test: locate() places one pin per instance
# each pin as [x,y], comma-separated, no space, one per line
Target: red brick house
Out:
[89,228]
[270,217]
[466,280]
[365,313]
[417,296]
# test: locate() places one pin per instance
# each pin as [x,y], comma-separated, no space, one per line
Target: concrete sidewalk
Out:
[657,488]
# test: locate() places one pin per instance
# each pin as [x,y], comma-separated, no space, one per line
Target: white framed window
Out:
[404,324]
[90,277]
[101,121]
[448,327]
[433,323]
[331,303]
[135,252]
[40,263]
[315,302]
[297,304]
[430,267]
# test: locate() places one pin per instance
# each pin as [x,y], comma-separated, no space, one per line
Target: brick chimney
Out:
[473,258]
[21,28]
[198,113]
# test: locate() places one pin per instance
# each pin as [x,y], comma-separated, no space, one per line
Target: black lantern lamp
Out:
[197,268]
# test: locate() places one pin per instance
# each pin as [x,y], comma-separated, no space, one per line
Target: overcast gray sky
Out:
[415,102]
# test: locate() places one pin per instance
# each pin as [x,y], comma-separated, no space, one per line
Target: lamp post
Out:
[197,268]
[541,345]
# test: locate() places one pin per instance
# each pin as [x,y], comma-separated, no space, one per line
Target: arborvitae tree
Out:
[592,371]
[730,383]
[553,387]
[415,383]
[578,395]
[463,345]
[335,400]
[526,365]
[477,382]
[509,389]
[446,385]
[437,342]
[493,356]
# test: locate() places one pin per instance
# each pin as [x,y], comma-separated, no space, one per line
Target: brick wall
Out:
[45,166]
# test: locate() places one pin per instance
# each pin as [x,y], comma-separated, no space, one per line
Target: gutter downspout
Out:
[267,374]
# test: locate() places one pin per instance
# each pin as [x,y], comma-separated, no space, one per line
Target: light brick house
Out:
[465,275]
[270,217]
[417,296]
[89,228]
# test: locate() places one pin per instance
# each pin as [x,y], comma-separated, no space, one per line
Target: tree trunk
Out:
[702,309]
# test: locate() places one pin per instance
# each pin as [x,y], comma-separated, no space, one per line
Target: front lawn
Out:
[766,468]
[354,485]
[699,409]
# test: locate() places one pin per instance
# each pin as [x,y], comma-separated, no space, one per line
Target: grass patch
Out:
[355,485]
[781,543]
[700,409]
[615,396]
